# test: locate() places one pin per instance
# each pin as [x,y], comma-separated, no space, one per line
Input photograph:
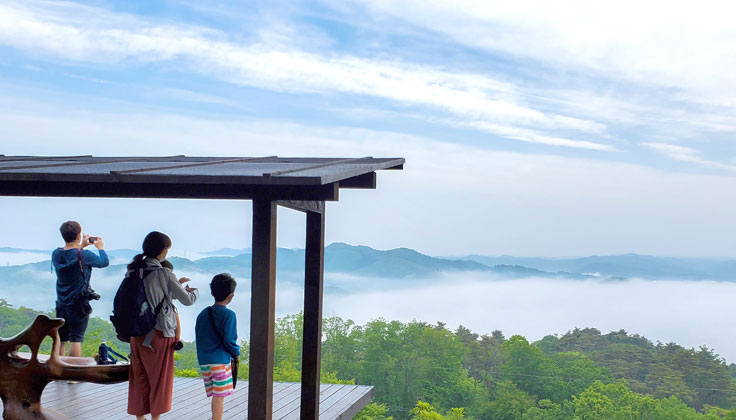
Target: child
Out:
[216,335]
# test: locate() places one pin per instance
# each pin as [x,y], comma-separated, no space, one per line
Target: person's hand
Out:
[190,289]
[99,243]
[85,241]
[183,280]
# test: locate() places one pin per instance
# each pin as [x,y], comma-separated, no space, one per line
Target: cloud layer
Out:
[89,35]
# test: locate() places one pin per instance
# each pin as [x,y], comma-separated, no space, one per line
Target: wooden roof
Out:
[278,178]
[86,401]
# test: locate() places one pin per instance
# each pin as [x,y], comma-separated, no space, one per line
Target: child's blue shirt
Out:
[210,349]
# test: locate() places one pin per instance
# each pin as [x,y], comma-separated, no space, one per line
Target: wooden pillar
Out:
[312,335]
[262,310]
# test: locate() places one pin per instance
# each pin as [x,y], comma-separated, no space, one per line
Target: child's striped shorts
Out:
[218,380]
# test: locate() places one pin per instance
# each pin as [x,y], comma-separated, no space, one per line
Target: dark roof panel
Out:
[235,177]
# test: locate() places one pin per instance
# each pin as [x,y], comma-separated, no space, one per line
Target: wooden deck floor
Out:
[109,402]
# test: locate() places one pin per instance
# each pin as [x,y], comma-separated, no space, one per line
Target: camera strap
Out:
[79,260]
[81,267]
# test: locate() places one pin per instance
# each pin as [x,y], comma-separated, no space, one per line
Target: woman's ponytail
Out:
[137,262]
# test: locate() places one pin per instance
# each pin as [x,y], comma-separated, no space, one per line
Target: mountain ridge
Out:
[406,263]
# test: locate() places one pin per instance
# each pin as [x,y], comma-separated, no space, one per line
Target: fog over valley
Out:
[413,286]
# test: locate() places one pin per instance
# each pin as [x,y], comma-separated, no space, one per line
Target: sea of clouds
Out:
[690,313]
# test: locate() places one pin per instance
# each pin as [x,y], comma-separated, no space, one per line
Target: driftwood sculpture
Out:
[23,376]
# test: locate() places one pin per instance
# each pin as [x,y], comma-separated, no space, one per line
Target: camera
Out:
[178,345]
[90,294]
[92,239]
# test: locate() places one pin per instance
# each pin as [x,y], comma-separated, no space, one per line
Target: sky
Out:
[529,128]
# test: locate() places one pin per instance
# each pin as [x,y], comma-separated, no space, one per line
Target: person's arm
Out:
[186,295]
[231,335]
[91,260]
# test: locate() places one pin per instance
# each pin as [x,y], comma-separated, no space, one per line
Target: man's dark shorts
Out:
[75,324]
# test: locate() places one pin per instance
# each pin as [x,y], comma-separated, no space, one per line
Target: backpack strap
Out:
[143,273]
[210,312]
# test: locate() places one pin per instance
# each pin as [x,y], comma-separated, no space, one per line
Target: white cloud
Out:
[91,35]
[660,310]
[686,154]
[192,96]
[652,70]
[661,43]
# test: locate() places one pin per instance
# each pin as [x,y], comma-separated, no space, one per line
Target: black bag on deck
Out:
[132,315]
[105,355]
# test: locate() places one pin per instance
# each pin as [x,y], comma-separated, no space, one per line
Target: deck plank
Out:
[349,405]
[292,409]
[183,387]
[86,401]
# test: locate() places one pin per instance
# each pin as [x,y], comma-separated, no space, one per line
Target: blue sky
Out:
[533,128]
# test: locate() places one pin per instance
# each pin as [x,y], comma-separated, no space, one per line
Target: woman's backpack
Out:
[132,315]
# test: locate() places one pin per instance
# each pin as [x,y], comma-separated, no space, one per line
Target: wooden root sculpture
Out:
[23,376]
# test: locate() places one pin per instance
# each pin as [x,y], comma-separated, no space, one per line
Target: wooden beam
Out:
[365,181]
[33,188]
[262,310]
[312,333]
[305,206]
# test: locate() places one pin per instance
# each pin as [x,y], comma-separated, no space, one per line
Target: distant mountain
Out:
[408,264]
[227,252]
[21,251]
[626,265]
[400,262]
[349,259]
[120,256]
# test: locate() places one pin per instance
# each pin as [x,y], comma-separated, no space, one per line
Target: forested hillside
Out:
[421,370]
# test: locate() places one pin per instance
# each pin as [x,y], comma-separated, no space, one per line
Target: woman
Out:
[152,356]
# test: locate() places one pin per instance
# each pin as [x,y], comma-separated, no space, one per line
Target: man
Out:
[73,266]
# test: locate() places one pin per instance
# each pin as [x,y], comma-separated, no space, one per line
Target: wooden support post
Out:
[262,310]
[312,334]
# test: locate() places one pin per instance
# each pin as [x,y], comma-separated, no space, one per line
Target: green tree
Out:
[425,411]
[373,411]
[509,403]
[526,366]
[613,401]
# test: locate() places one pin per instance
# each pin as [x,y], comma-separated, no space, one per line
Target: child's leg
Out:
[218,406]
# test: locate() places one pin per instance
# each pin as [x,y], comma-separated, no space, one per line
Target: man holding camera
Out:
[73,266]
